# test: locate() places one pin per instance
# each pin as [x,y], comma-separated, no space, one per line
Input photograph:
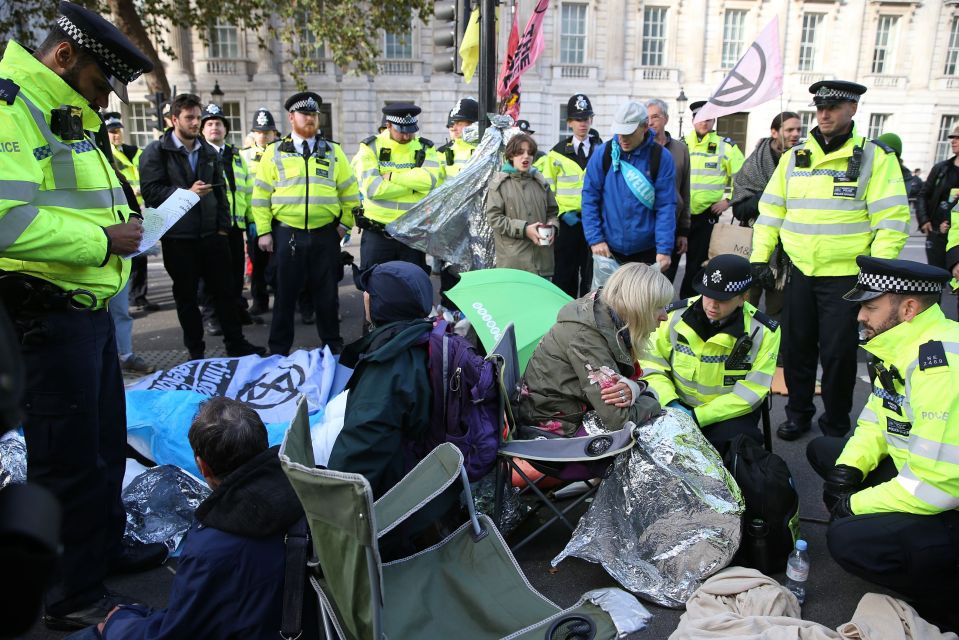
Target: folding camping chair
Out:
[467,586]
[571,460]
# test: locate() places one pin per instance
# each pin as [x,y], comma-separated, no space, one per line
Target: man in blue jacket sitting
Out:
[229,580]
[629,194]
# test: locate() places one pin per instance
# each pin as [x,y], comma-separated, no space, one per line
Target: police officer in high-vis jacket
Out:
[264,132]
[395,169]
[457,152]
[303,201]
[713,161]
[564,168]
[832,198]
[64,225]
[715,355]
[238,183]
[893,487]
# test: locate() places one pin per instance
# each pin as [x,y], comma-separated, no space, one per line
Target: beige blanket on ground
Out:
[744,604]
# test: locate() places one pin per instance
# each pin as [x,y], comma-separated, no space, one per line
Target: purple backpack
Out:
[465,401]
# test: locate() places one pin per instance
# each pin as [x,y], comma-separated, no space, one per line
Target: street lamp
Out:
[217,92]
[681,101]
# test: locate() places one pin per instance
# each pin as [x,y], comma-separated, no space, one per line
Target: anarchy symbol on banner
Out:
[273,388]
[746,87]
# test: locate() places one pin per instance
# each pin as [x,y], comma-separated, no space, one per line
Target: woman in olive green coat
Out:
[588,359]
[522,211]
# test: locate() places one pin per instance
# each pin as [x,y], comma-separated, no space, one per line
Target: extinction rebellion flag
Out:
[521,53]
[756,78]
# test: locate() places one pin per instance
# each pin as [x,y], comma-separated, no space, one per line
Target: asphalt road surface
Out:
[832,594]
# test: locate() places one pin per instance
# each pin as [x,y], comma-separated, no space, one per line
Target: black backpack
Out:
[770,494]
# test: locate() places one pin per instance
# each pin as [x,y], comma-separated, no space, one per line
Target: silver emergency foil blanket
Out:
[13,459]
[450,222]
[514,509]
[160,503]
[666,518]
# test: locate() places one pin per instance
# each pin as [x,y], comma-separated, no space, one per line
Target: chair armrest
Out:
[580,449]
[428,479]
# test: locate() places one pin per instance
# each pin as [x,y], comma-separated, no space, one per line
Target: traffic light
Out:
[451,18]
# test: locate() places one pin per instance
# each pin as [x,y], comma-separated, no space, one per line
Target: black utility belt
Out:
[314,230]
[26,294]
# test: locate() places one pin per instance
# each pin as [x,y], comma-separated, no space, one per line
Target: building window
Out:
[877,124]
[885,44]
[572,34]
[952,53]
[808,120]
[808,60]
[943,148]
[140,122]
[231,113]
[564,129]
[398,46]
[654,36]
[224,41]
[734,22]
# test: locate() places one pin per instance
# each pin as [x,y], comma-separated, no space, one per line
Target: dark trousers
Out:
[208,258]
[75,430]
[700,233]
[375,248]
[818,326]
[573,272]
[936,249]
[259,260]
[312,259]
[236,267]
[646,257]
[720,434]
[138,279]
[915,555]
[673,266]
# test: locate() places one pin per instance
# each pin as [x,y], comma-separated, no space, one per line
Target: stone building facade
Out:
[905,51]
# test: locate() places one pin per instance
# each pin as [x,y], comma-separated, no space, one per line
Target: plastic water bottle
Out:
[797,571]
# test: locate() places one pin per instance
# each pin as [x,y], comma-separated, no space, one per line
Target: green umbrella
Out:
[492,298]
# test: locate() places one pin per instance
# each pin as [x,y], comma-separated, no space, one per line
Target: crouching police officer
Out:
[303,200]
[64,223]
[893,487]
[715,355]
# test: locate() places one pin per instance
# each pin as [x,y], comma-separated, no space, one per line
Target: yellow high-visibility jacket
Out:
[915,421]
[713,161]
[823,220]
[454,155]
[56,196]
[252,155]
[129,168]
[679,365]
[304,193]
[564,175]
[414,170]
[240,200]
[952,240]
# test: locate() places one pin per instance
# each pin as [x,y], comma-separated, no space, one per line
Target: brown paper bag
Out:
[731,238]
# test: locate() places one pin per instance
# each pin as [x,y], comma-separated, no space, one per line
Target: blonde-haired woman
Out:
[587,361]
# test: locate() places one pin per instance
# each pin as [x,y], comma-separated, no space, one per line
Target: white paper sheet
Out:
[158,221]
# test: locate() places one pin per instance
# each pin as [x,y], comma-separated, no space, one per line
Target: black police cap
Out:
[724,277]
[119,60]
[112,120]
[304,102]
[829,92]
[402,115]
[465,109]
[523,125]
[263,120]
[878,276]
[579,108]
[213,111]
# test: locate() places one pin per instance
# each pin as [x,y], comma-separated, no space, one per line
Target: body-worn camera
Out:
[66,121]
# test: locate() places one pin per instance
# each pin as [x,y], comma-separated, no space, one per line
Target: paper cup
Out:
[545,235]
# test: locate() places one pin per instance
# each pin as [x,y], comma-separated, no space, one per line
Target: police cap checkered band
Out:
[109,60]
[308,104]
[739,285]
[895,284]
[826,92]
[835,95]
[406,119]
[112,120]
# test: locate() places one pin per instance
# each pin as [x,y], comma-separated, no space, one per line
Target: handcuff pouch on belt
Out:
[24,294]
[368,224]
